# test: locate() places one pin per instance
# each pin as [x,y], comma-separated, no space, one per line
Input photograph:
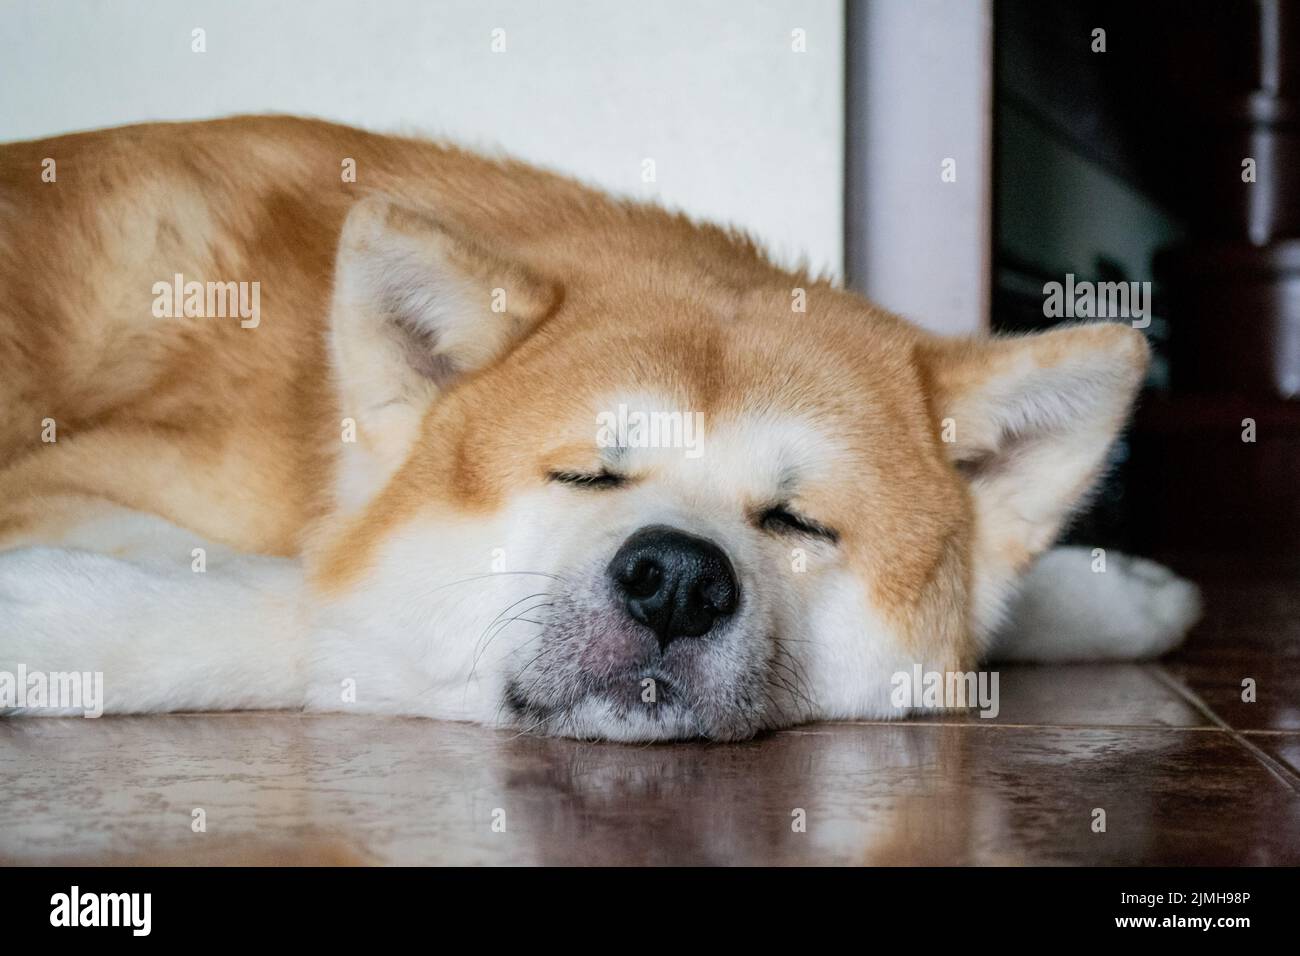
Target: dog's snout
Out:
[676,584]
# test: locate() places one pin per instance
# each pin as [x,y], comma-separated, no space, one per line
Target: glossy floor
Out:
[1185,771]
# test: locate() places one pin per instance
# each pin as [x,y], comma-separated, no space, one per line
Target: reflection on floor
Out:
[1185,771]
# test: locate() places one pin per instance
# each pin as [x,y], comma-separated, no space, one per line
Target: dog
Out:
[301,416]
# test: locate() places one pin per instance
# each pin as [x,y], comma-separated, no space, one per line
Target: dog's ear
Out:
[415,307]
[1028,421]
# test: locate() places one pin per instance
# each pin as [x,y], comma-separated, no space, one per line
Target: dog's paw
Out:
[1160,607]
[1076,605]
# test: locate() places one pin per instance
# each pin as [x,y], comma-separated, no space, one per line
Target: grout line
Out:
[284,712]
[1273,766]
[1014,726]
[798,728]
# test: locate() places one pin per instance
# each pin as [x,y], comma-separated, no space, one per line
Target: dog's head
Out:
[642,484]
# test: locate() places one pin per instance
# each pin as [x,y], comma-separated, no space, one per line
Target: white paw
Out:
[1160,606]
[1070,610]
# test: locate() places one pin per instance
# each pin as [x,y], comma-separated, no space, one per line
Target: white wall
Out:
[740,127]
[921,91]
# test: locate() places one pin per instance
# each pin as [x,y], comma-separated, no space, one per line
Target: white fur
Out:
[1070,609]
[165,637]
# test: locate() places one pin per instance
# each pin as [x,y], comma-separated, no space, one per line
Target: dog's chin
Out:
[600,676]
[621,715]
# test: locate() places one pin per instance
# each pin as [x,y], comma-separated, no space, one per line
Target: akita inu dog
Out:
[298,415]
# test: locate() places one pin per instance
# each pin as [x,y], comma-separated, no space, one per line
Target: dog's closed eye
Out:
[598,480]
[779,519]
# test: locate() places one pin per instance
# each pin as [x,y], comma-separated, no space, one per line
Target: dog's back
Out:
[93,222]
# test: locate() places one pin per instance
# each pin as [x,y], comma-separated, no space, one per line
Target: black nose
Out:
[676,584]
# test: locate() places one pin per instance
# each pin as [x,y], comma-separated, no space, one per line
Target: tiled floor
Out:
[1185,771]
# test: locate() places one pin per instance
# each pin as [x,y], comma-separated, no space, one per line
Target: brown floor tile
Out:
[1251,604]
[1218,681]
[327,788]
[1251,629]
[1084,695]
[1284,748]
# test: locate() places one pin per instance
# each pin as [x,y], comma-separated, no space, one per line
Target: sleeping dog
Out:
[298,415]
